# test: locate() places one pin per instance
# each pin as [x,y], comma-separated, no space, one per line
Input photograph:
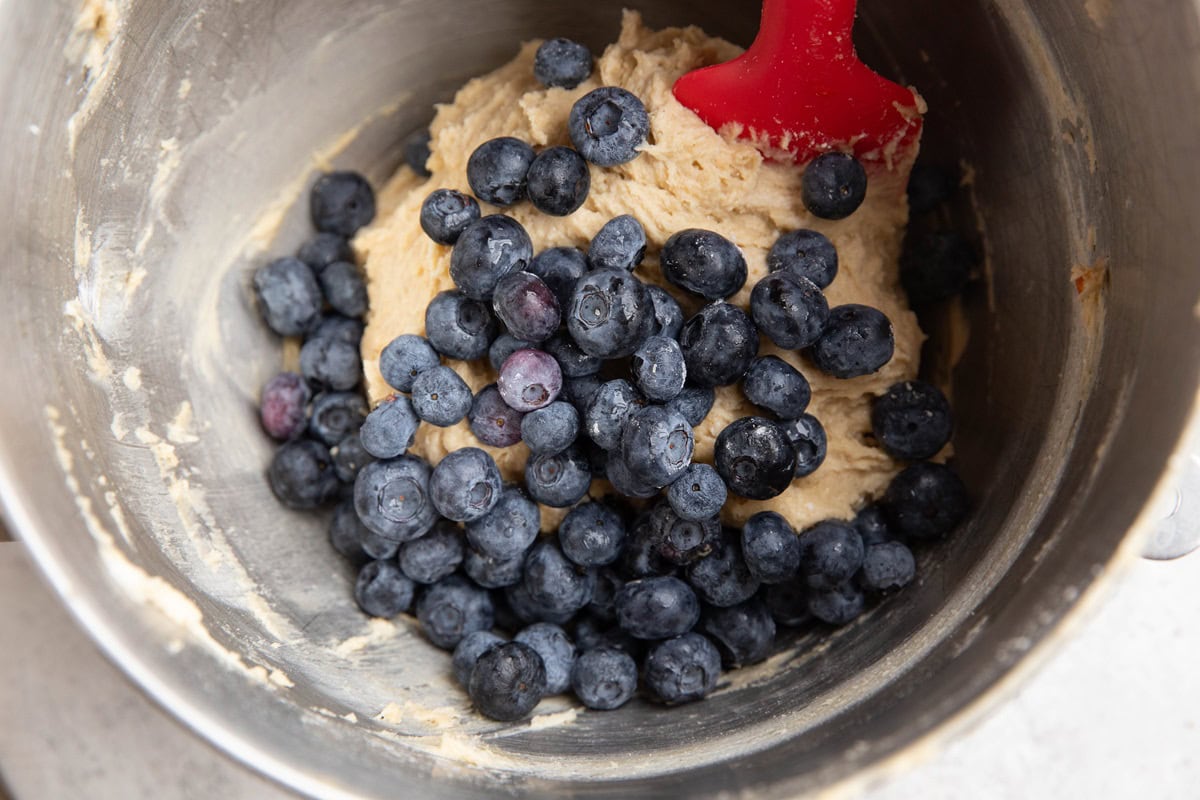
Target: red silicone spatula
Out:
[800,90]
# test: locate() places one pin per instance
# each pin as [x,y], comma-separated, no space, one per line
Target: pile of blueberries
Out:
[601,376]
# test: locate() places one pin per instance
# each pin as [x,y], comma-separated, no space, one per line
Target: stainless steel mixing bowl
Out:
[152,150]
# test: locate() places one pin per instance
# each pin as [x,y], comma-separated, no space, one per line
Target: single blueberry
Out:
[504,346]
[557,651]
[619,244]
[289,296]
[609,411]
[497,170]
[346,533]
[343,286]
[389,429]
[703,263]
[873,526]
[790,310]
[775,385]
[375,546]
[558,480]
[404,358]
[886,567]
[657,445]
[392,498]
[830,553]
[592,535]
[604,678]
[331,364]
[301,474]
[833,186]
[807,437]
[617,471]
[929,186]
[451,608]
[602,607]
[335,415]
[574,362]
[465,485]
[491,419]
[771,547]
[840,605]
[926,501]
[493,573]
[459,327]
[935,267]
[335,326]
[551,429]
[744,634]
[642,557]
[324,249]
[445,214]
[718,344]
[682,669]
[610,313]
[658,369]
[608,125]
[560,267]
[580,391]
[722,578]
[562,63]
[788,603]
[284,406]
[912,420]
[508,529]
[558,181]
[526,306]
[683,541]
[433,556]
[507,682]
[657,608]
[805,254]
[416,152]
[698,494]
[694,403]
[440,397]
[468,652]
[755,458]
[341,203]
[857,340]
[526,610]
[553,582]
[487,250]
[382,590]
[529,380]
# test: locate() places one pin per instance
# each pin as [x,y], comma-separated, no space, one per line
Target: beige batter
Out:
[687,176]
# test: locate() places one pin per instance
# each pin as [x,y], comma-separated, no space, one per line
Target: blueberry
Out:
[493,573]
[604,678]
[527,610]
[698,494]
[929,186]
[301,474]
[559,480]
[504,346]
[445,214]
[694,403]
[609,411]
[324,249]
[926,501]
[616,469]
[331,364]
[526,306]
[465,485]
[580,391]
[562,63]
[346,532]
[451,608]
[770,547]
[703,263]
[657,445]
[619,244]
[459,327]
[886,567]
[682,669]
[557,651]
[468,652]
[284,406]
[788,603]
[722,578]
[375,546]
[591,633]
[807,437]
[404,358]
[551,429]
[507,682]
[574,362]
[529,380]
[755,458]
[872,525]
[657,608]
[834,185]
[335,326]
[602,607]
[486,251]
[775,385]
[343,286]
[392,498]
[389,429]
[790,310]
[610,313]
[718,344]
[744,634]
[837,606]
[289,296]
[935,267]
[335,415]
[830,553]
[433,556]
[668,316]
[805,254]
[416,152]
[608,125]
[642,557]
[492,421]
[592,535]
[497,170]
[553,582]
[440,397]
[508,529]
[341,203]
[857,341]
[558,181]
[382,590]
[658,369]
[560,267]
[912,420]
